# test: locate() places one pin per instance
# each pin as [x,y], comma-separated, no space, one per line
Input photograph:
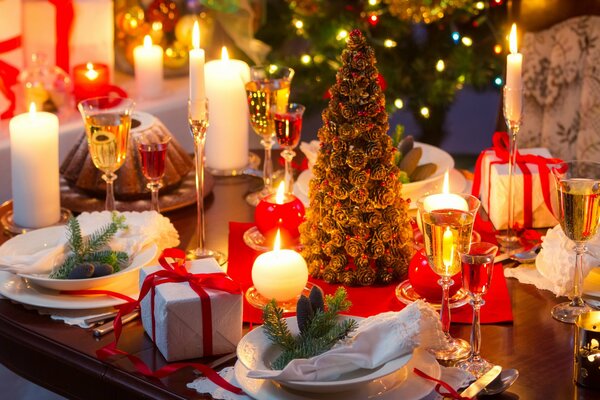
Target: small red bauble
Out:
[286,215]
[425,282]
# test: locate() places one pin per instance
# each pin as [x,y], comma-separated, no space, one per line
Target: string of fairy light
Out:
[373,12]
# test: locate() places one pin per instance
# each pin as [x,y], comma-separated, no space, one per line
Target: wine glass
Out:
[153,153]
[107,121]
[288,125]
[447,223]
[477,265]
[268,88]
[576,205]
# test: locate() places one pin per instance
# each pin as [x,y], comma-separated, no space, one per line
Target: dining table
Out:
[63,359]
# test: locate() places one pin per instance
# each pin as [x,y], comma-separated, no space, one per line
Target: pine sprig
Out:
[92,248]
[320,333]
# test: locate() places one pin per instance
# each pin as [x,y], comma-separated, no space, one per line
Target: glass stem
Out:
[477,302]
[288,155]
[109,178]
[199,159]
[154,187]
[445,283]
[513,130]
[267,143]
[580,249]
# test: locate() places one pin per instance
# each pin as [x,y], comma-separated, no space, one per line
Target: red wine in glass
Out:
[476,276]
[287,129]
[153,160]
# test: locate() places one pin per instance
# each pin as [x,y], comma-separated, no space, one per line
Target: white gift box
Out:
[494,191]
[179,320]
[92,32]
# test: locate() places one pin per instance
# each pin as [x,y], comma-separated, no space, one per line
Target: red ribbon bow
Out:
[174,272]
[450,392]
[8,76]
[65,12]
[500,146]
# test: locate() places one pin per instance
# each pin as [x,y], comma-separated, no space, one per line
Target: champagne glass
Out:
[268,88]
[198,122]
[576,205]
[447,223]
[107,121]
[513,114]
[288,125]
[153,153]
[477,266]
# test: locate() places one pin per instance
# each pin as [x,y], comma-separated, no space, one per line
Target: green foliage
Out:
[322,331]
[408,68]
[92,248]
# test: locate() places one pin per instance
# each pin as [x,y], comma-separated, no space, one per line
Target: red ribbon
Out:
[174,272]
[9,75]
[453,394]
[65,13]
[500,146]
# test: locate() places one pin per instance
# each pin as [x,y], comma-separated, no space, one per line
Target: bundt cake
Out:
[81,174]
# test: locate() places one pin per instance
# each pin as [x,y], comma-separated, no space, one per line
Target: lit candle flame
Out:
[156,26]
[446,184]
[512,39]
[32,109]
[196,35]
[280,196]
[91,73]
[277,242]
[448,248]
[224,53]
[147,42]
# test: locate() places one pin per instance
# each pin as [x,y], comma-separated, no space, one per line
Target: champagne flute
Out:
[153,153]
[269,88]
[576,205]
[288,125]
[107,121]
[446,232]
[477,265]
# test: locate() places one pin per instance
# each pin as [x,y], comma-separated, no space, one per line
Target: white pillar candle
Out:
[148,66]
[279,274]
[445,200]
[197,89]
[34,166]
[514,62]
[227,135]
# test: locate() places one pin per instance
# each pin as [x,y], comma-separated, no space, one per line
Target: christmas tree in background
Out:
[427,49]
[357,229]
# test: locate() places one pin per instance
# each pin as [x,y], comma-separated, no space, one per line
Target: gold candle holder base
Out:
[289,306]
[11,228]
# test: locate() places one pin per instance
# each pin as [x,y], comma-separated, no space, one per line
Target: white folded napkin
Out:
[311,151]
[555,264]
[377,340]
[143,228]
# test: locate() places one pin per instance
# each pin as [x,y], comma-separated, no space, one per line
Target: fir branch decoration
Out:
[92,248]
[319,327]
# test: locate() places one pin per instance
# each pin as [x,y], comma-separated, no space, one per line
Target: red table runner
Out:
[366,301]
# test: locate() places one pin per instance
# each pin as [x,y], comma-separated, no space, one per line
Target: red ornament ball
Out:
[425,282]
[285,215]
[164,11]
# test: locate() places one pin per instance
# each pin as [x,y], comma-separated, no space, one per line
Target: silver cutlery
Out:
[505,380]
[481,382]
[108,327]
[100,317]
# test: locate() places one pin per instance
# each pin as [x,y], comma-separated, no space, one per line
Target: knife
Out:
[108,327]
[482,382]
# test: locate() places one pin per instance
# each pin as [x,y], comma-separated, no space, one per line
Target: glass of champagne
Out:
[153,154]
[576,205]
[447,223]
[288,125]
[107,121]
[477,266]
[268,91]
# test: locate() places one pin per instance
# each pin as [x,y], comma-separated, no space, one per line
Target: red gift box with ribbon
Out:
[532,185]
[193,308]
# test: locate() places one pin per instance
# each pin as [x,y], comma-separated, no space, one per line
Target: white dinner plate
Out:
[40,239]
[401,384]
[457,181]
[20,290]
[256,351]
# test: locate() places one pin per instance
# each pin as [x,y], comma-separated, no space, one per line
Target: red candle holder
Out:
[286,215]
[93,80]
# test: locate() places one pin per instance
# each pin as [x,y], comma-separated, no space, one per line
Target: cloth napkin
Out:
[555,263]
[366,300]
[143,228]
[311,151]
[377,340]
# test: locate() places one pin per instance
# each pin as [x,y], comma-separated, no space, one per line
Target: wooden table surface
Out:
[62,358]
